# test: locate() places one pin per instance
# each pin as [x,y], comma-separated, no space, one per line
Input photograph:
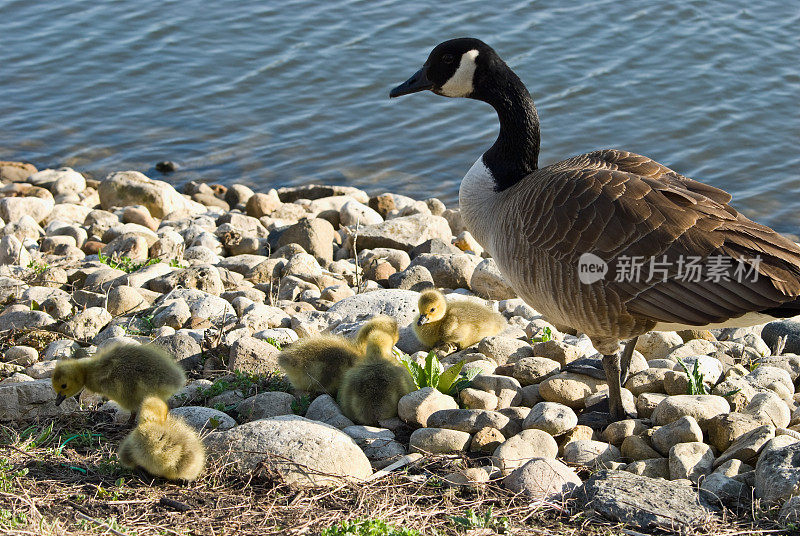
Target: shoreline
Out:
[224,277]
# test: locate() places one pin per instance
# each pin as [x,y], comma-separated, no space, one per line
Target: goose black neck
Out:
[515,153]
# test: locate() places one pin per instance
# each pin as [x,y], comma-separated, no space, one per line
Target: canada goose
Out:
[604,210]
[316,364]
[445,325]
[163,445]
[383,323]
[126,374]
[371,390]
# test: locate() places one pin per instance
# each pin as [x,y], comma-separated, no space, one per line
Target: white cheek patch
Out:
[460,84]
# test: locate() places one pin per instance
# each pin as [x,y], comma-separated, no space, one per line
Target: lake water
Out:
[272,93]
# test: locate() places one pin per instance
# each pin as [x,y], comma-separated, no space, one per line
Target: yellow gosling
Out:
[370,390]
[127,374]
[317,364]
[163,445]
[453,325]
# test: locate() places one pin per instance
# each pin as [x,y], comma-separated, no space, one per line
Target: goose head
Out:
[453,69]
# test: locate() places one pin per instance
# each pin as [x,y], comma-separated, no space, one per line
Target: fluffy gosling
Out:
[370,390]
[317,364]
[453,325]
[382,323]
[163,445]
[127,374]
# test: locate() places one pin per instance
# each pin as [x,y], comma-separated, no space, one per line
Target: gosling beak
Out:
[422,320]
[59,399]
[418,82]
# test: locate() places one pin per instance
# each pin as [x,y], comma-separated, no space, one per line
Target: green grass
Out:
[248,384]
[547,334]
[126,264]
[38,267]
[367,527]
[8,475]
[472,520]
[12,520]
[696,379]
[299,407]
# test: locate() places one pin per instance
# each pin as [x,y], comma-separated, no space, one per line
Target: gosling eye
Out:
[63,385]
[432,309]
[447,58]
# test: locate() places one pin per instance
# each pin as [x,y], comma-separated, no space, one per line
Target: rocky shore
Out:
[224,277]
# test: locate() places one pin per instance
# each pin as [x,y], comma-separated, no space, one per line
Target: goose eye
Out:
[447,58]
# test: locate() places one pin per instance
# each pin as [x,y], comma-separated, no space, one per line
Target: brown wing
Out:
[619,205]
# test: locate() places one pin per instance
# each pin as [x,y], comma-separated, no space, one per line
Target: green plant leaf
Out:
[448,377]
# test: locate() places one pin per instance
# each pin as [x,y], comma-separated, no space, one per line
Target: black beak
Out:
[422,320]
[59,399]
[418,82]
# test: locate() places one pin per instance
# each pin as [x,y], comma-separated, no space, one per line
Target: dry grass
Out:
[62,477]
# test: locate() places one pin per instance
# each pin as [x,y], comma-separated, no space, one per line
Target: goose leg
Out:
[612,368]
[625,361]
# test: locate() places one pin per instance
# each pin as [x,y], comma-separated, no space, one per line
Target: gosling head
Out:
[453,69]
[68,379]
[380,323]
[379,345]
[432,307]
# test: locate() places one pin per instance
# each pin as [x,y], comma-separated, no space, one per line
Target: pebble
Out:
[543,479]
[551,417]
[438,441]
[520,448]
[592,453]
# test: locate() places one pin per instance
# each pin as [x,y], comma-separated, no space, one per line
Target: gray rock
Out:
[769,408]
[378,444]
[325,409]
[305,452]
[616,432]
[650,380]
[553,418]
[788,328]
[569,389]
[506,350]
[700,407]
[658,344]
[523,447]
[643,502]
[684,430]
[690,460]
[183,347]
[201,418]
[265,405]
[477,399]
[172,313]
[24,318]
[125,188]
[416,278]
[777,475]
[86,324]
[254,356]
[773,378]
[449,271]
[403,233]
[590,453]
[543,479]
[790,511]
[439,441]
[717,488]
[637,447]
[416,407]
[487,282]
[651,467]
[508,390]
[534,370]
[468,420]
[747,447]
[30,400]
[24,356]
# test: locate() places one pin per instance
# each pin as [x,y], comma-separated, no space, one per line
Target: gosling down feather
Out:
[126,374]
[163,445]
[371,390]
[565,235]
[453,324]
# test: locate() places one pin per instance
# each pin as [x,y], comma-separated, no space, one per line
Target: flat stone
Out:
[201,418]
[505,349]
[652,467]
[684,430]
[770,409]
[252,355]
[439,441]
[590,453]
[468,420]
[616,432]
[646,404]
[25,401]
[748,446]
[723,490]
[325,409]
[523,447]
[658,344]
[508,390]
[778,474]
[477,399]
[726,428]
[486,440]
[643,502]
[650,380]
[306,453]
[700,407]
[636,447]
[416,407]
[690,460]
[534,370]
[569,389]
[265,405]
[543,479]
[403,233]
[553,418]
